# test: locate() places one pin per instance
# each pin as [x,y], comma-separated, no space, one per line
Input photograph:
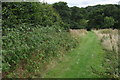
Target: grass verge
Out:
[78,63]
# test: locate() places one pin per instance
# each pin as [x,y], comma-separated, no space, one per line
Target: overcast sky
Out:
[84,3]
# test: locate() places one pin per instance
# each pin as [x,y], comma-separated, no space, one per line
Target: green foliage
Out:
[98,16]
[109,22]
[30,13]
[95,15]
[64,11]
[76,13]
[19,45]
[77,17]
[83,23]
[111,65]
[30,28]
[96,19]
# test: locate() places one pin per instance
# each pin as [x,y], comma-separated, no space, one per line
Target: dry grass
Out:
[109,38]
[78,32]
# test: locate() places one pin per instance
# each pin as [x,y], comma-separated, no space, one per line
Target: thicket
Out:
[16,13]
[29,28]
[91,17]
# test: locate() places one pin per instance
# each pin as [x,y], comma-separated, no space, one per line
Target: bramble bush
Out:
[32,29]
[29,28]
[34,13]
[19,45]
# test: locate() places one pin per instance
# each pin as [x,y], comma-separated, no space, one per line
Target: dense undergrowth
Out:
[109,41]
[32,29]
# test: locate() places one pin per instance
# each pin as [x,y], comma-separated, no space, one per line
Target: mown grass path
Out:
[77,63]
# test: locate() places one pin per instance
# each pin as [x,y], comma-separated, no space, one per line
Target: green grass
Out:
[77,63]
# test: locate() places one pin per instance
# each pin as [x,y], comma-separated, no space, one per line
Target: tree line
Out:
[91,17]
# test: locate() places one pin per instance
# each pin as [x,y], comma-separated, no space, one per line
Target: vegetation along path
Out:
[77,64]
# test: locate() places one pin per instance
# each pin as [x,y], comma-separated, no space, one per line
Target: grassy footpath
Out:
[77,64]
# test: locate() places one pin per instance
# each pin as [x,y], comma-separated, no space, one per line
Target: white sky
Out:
[83,3]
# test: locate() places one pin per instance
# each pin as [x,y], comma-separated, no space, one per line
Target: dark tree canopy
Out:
[91,17]
[64,11]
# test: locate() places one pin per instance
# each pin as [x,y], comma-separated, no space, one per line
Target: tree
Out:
[76,13]
[64,11]
[109,22]
[93,16]
[34,14]
[77,16]
[83,23]
[96,19]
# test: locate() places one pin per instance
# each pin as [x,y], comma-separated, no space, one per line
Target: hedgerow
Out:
[19,45]
[34,13]
[32,29]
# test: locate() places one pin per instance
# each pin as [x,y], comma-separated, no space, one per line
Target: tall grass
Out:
[109,40]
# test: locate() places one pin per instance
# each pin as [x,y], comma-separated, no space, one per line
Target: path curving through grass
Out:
[77,63]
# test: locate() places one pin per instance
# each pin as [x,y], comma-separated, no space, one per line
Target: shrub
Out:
[34,13]
[30,28]
[111,65]
[19,45]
